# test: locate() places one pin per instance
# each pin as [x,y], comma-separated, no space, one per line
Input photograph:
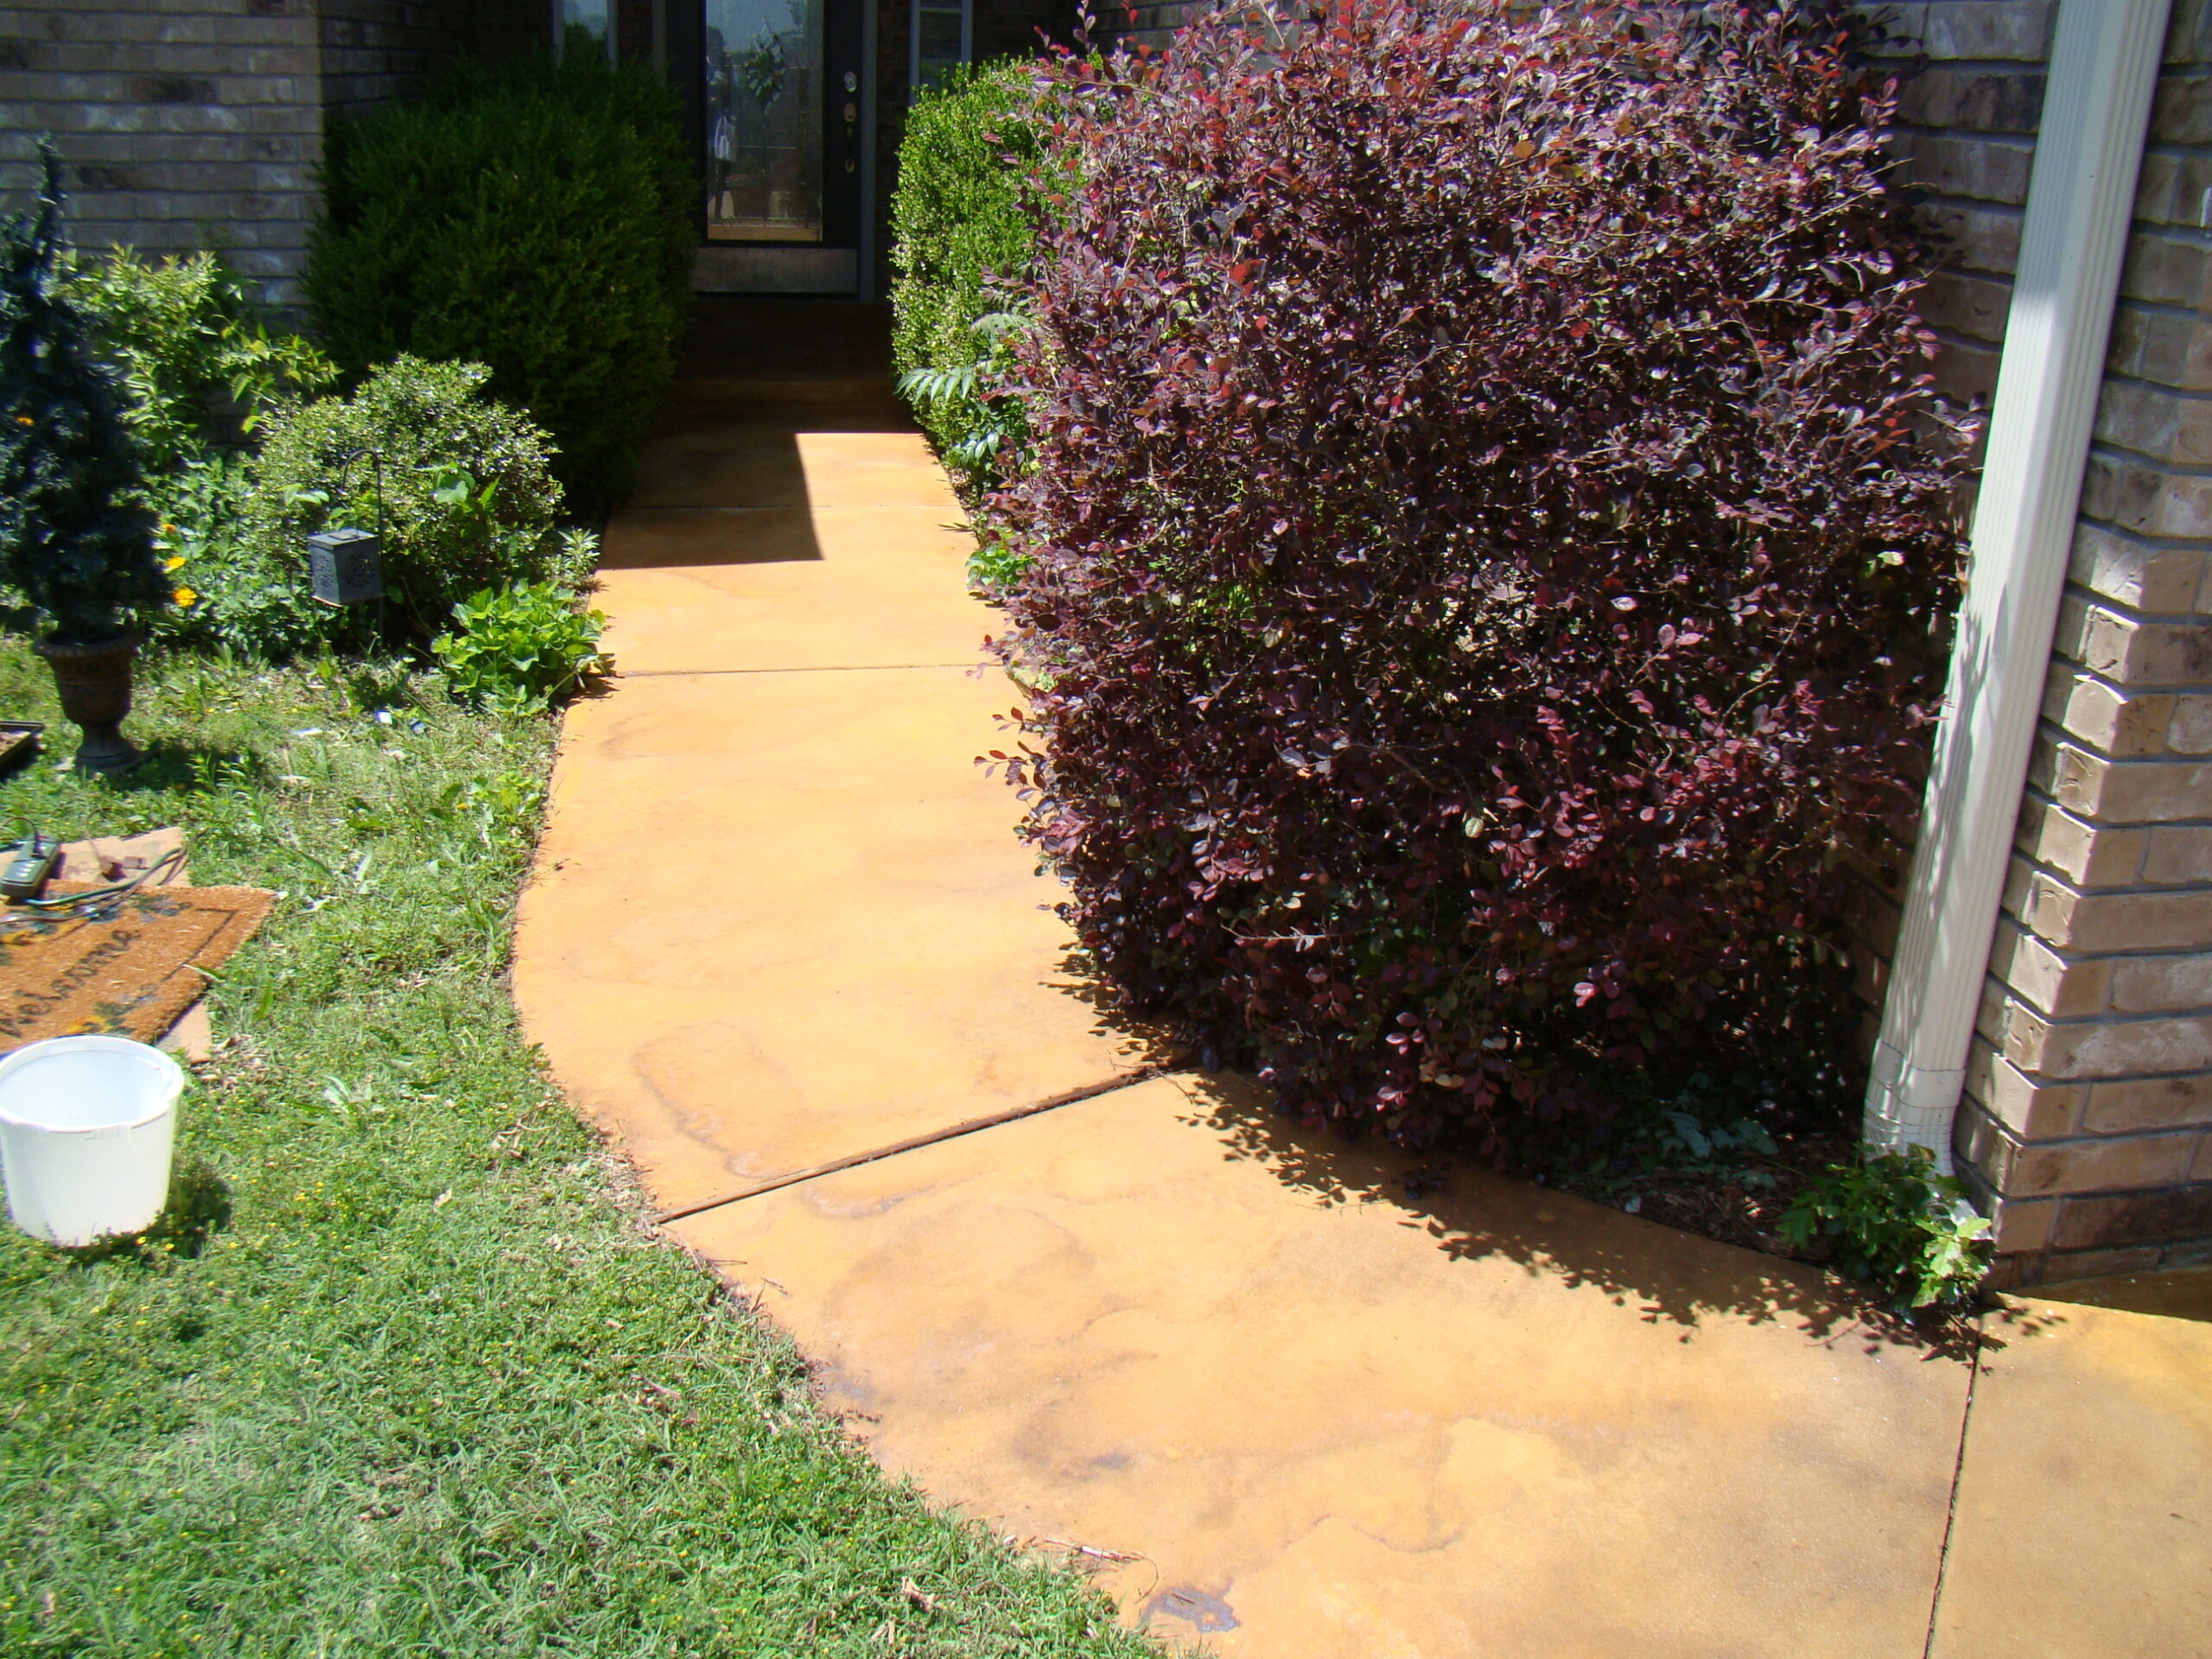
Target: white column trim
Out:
[2104,65]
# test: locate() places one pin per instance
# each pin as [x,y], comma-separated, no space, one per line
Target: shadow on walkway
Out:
[1471,1213]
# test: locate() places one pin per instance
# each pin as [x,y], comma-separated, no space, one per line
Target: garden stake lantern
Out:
[345,567]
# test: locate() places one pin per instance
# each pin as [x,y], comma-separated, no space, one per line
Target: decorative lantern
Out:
[345,567]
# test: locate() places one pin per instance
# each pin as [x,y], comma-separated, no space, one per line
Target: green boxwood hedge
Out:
[958,219]
[537,217]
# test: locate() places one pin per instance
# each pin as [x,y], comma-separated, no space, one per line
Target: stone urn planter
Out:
[95,685]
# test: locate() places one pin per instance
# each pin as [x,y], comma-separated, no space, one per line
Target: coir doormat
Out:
[128,970]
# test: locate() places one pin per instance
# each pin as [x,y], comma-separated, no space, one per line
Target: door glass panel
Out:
[764,120]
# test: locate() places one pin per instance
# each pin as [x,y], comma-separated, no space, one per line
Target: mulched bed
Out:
[1724,1207]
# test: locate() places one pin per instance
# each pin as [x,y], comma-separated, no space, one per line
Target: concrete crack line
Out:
[914,1143]
[1951,1509]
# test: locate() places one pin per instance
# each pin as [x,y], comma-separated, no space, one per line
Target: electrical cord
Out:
[97,903]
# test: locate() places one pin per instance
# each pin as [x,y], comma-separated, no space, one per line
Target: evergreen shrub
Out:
[76,538]
[958,222]
[1482,550]
[538,218]
[458,486]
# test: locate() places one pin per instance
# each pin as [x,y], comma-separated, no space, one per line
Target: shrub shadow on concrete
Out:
[1472,1213]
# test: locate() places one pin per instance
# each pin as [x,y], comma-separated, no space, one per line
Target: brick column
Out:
[2089,1097]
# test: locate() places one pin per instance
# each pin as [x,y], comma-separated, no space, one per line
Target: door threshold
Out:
[727,270]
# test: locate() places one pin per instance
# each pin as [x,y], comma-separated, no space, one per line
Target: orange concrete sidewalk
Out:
[1280,1404]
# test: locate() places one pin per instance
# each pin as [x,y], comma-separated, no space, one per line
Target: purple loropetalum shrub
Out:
[1489,526]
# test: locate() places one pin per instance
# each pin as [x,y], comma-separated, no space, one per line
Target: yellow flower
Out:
[184,596]
[174,563]
[167,529]
[25,420]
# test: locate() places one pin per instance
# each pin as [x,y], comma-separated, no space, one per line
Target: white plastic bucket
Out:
[87,1128]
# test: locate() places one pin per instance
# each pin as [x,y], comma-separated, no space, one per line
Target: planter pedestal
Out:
[95,685]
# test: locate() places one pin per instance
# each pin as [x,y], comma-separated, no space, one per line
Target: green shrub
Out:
[456,484]
[200,368]
[996,564]
[231,591]
[958,220]
[521,649]
[201,375]
[537,218]
[1893,1221]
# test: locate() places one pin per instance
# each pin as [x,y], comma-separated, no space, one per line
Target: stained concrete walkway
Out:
[1283,1406]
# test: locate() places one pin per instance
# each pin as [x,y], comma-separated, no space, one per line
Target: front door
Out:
[782,136]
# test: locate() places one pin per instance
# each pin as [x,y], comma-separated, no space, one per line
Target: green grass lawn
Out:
[411,1377]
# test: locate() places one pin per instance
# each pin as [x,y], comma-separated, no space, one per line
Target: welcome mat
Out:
[129,969]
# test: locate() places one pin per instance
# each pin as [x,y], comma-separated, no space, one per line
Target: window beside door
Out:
[581,13]
[943,36]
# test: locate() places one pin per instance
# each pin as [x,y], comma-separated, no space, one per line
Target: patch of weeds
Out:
[1894,1222]
[1775,1166]
[995,565]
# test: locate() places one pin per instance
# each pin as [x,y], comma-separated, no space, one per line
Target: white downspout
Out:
[2104,65]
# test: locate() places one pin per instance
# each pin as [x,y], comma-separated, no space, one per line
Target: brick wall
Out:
[374,51]
[2089,1099]
[194,124]
[182,123]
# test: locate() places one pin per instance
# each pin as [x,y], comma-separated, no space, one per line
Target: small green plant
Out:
[959,226]
[460,487]
[76,539]
[536,216]
[995,565]
[520,650]
[200,366]
[1892,1220]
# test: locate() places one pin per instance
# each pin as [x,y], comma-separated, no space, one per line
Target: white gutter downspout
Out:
[2104,65]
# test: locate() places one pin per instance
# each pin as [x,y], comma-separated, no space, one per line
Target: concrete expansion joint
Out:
[1958,1474]
[811,668]
[934,1137]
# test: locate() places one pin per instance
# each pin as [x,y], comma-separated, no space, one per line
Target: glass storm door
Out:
[779,151]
